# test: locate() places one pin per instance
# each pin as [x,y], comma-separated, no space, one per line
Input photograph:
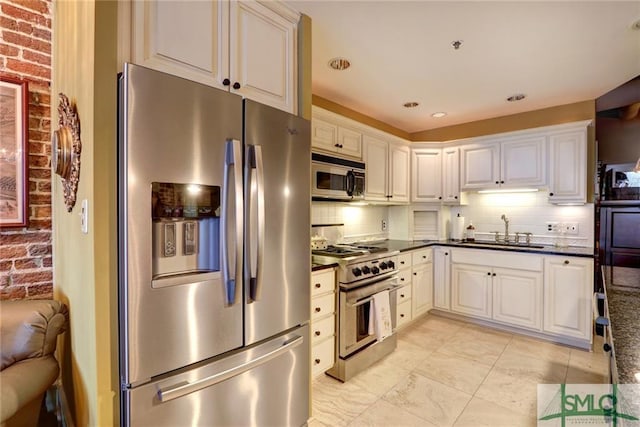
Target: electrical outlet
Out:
[571,227]
[384,225]
[553,227]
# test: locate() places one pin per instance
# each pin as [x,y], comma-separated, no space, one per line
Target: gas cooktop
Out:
[344,251]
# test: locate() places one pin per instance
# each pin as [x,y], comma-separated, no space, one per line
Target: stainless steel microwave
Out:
[336,179]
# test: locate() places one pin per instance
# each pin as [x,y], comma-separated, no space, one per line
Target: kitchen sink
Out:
[503,244]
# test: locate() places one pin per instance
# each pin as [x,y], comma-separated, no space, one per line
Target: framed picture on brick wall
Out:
[14,156]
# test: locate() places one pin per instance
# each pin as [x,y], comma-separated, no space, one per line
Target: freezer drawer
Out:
[266,385]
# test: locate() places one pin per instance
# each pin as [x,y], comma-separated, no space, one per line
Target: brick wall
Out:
[25,53]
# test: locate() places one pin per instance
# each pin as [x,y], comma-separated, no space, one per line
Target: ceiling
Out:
[554,52]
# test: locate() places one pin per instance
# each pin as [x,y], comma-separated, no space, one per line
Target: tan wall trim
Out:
[318,101]
[578,111]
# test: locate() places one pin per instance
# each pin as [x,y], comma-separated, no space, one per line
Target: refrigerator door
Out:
[267,385]
[277,228]
[175,133]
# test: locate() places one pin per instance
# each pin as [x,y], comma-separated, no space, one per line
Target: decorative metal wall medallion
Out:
[65,150]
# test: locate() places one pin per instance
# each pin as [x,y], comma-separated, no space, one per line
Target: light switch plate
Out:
[84,216]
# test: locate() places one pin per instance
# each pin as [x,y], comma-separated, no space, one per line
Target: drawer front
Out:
[491,258]
[421,256]
[403,313]
[322,282]
[404,260]
[403,295]
[322,356]
[404,277]
[323,305]
[322,329]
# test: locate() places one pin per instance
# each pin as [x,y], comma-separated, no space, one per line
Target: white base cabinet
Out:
[422,281]
[441,278]
[471,290]
[517,297]
[323,320]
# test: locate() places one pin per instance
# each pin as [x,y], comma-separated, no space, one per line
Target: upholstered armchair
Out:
[28,335]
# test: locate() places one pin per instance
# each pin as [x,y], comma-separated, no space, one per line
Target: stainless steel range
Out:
[363,272]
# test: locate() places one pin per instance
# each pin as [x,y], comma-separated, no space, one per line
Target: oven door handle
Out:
[367,299]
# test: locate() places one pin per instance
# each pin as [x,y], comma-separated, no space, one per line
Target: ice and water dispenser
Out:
[186,229]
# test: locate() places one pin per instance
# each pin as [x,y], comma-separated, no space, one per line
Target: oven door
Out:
[354,314]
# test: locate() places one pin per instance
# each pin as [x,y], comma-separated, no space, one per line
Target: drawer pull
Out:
[566,261]
[318,285]
[402,315]
[424,256]
[317,333]
[402,262]
[318,309]
[415,274]
[401,295]
[402,279]
[317,361]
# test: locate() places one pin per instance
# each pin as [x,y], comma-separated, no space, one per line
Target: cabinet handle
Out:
[401,295]
[440,198]
[336,145]
[446,253]
[317,361]
[226,82]
[402,315]
[455,197]
[318,285]
[390,196]
[236,85]
[318,309]
[497,182]
[402,279]
[424,256]
[550,194]
[415,274]
[566,261]
[501,182]
[489,274]
[402,262]
[494,274]
[317,333]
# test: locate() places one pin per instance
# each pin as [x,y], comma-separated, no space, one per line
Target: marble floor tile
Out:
[426,339]
[428,399]
[337,404]
[381,377]
[462,374]
[538,348]
[407,355]
[441,324]
[483,413]
[536,369]
[479,346]
[486,331]
[384,414]
[517,394]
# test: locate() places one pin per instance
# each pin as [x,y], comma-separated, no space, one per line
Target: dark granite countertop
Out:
[623,301]
[317,267]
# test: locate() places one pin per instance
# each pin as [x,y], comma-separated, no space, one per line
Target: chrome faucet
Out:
[506,227]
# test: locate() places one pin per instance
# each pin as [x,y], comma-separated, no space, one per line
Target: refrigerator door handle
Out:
[185,387]
[232,171]
[255,164]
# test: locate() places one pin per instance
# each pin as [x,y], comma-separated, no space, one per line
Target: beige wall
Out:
[84,69]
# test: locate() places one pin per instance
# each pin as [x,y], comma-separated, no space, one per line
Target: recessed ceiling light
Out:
[411,104]
[339,64]
[516,97]
[439,114]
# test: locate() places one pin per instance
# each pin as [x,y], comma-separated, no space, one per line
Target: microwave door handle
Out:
[351,183]
[231,245]
[255,221]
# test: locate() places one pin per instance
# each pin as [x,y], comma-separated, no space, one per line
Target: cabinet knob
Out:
[446,253]
[606,347]
[424,256]
[402,279]
[494,274]
[489,274]
[402,262]
[401,295]
[551,194]
[440,198]
[236,85]
[318,285]
[497,182]
[402,315]
[566,261]
[501,182]
[318,309]
[317,333]
[317,361]
[226,82]
[455,197]
[336,145]
[415,274]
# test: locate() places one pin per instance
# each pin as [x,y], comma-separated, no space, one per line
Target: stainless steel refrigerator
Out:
[214,256]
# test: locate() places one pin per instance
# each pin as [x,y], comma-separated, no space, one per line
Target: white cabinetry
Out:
[518,162]
[517,297]
[323,320]
[426,175]
[568,291]
[441,278]
[567,164]
[451,175]
[471,290]
[246,47]
[404,294]
[422,281]
[330,134]
[387,170]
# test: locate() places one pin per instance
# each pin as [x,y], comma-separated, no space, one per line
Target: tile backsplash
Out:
[360,221]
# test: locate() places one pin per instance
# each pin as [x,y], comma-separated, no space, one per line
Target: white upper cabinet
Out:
[332,134]
[387,170]
[451,175]
[567,167]
[244,47]
[349,142]
[426,175]
[505,164]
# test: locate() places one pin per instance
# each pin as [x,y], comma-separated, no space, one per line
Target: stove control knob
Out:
[383,265]
[366,270]
[356,271]
[391,265]
[375,270]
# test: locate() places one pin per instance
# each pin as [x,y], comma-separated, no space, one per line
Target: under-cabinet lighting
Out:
[509,190]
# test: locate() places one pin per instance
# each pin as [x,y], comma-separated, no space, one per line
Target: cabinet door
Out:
[480,166]
[376,160]
[568,290]
[441,279]
[426,175]
[263,49]
[422,293]
[350,142]
[186,39]
[471,290]
[517,297]
[522,162]
[451,175]
[324,135]
[398,173]
[567,163]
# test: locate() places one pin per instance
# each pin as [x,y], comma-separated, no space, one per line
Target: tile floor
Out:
[451,373]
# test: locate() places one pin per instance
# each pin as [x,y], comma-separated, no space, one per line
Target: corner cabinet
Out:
[323,320]
[441,278]
[426,175]
[245,47]
[387,170]
[568,163]
[568,292]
